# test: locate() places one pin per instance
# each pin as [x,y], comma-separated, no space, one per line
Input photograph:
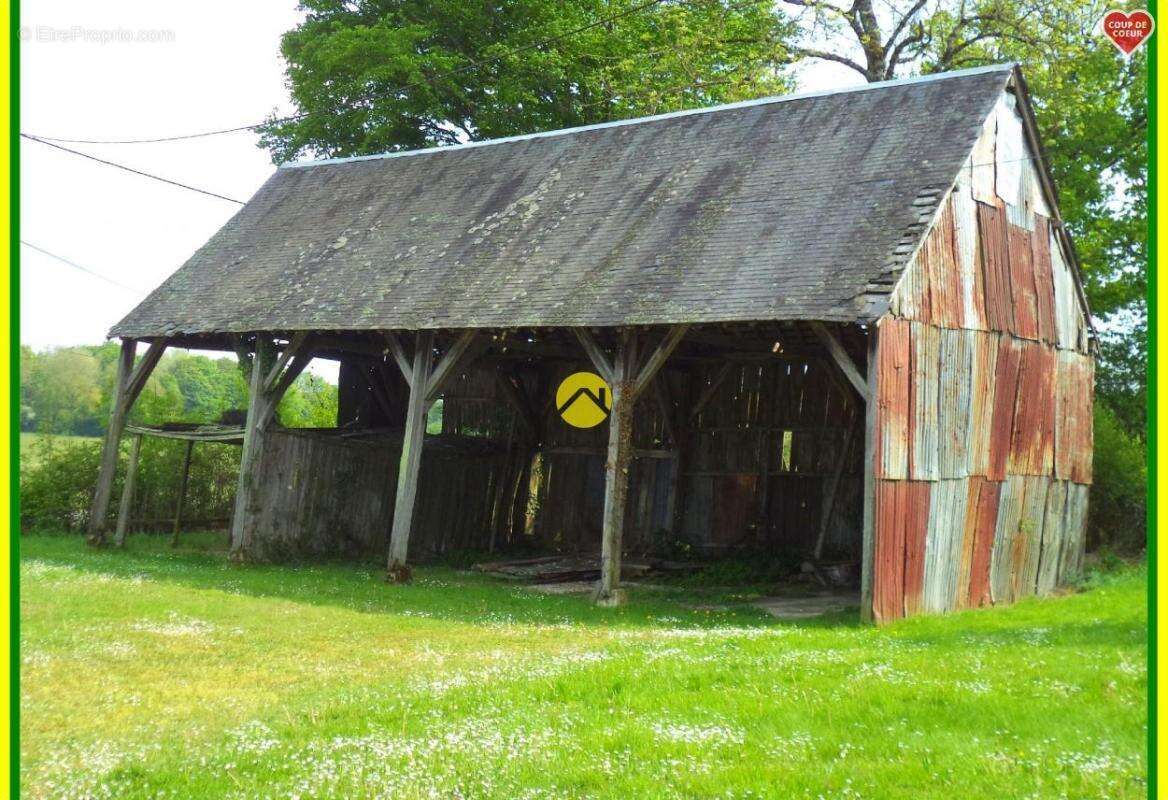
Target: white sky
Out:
[213,64]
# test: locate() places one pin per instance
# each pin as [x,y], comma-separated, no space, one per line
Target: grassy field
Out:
[160,673]
[29,442]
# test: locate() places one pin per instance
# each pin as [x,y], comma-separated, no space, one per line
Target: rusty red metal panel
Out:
[1081,471]
[941,273]
[1073,420]
[1005,395]
[980,522]
[902,523]
[1022,283]
[915,510]
[888,575]
[892,399]
[1032,442]
[1043,279]
[995,259]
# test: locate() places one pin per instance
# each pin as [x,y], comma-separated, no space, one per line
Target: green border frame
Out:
[14,401]
[1153,426]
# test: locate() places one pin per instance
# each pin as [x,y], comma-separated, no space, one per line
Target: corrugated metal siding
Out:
[985,390]
[893,387]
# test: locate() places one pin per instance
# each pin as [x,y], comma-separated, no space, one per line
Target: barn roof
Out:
[795,207]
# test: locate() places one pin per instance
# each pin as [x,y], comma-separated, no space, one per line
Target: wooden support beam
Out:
[448,363]
[841,358]
[113,435]
[257,413]
[127,386]
[616,471]
[128,491]
[411,458]
[833,485]
[293,349]
[868,557]
[182,492]
[273,397]
[142,371]
[672,338]
[596,354]
[400,357]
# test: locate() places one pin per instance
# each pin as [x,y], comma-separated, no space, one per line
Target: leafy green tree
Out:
[59,390]
[311,402]
[380,75]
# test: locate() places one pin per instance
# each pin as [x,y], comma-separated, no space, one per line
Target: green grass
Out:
[156,673]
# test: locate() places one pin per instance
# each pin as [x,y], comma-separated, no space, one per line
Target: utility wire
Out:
[416,84]
[77,266]
[130,169]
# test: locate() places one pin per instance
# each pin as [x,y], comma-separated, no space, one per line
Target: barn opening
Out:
[870,345]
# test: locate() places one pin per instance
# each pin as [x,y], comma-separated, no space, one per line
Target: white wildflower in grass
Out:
[252,738]
[175,625]
[973,687]
[1133,669]
[688,733]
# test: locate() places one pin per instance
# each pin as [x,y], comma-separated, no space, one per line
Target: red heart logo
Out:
[1128,31]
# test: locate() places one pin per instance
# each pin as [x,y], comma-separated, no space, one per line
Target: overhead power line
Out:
[416,84]
[130,169]
[77,266]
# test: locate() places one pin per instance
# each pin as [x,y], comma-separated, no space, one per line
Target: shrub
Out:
[1117,518]
[58,475]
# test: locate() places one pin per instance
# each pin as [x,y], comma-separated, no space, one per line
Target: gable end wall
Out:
[985,383]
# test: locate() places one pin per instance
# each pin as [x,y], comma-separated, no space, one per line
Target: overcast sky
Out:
[163,69]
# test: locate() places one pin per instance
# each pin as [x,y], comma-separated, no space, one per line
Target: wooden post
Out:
[616,469]
[627,383]
[127,386]
[270,379]
[868,561]
[182,492]
[252,430]
[128,491]
[425,380]
[411,457]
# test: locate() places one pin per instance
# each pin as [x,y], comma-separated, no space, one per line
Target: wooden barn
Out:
[837,326]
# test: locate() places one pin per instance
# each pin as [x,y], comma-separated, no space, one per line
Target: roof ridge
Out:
[937,76]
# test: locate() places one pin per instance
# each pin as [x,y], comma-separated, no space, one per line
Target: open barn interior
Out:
[748,444]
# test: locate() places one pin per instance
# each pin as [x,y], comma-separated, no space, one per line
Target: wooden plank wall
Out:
[984,423]
[324,494]
[749,472]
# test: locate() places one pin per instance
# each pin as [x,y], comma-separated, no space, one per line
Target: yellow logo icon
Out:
[583,400]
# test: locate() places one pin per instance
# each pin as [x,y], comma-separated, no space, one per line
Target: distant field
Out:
[155,672]
[28,442]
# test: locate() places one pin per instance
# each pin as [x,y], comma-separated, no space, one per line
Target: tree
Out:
[374,76]
[59,390]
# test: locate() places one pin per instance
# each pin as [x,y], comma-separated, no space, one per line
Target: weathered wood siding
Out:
[985,384]
[751,470]
[323,494]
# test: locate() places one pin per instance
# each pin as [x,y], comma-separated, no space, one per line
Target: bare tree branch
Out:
[828,56]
